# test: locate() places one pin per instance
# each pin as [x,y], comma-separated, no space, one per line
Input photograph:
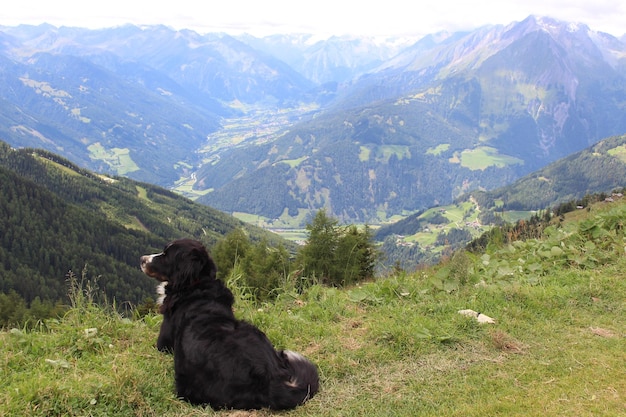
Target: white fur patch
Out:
[293,357]
[147,259]
[160,290]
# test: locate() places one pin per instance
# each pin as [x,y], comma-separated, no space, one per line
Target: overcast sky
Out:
[322,17]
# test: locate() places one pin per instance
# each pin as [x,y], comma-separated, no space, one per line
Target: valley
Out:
[253,125]
[271,130]
[489,168]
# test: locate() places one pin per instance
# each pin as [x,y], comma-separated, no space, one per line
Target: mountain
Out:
[577,180]
[453,113]
[545,83]
[337,59]
[131,101]
[101,119]
[58,217]
[217,65]
[600,168]
[245,126]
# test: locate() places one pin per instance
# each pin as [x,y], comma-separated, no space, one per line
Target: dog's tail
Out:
[302,385]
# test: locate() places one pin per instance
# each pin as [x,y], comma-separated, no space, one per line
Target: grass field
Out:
[396,346]
[438,150]
[484,157]
[118,159]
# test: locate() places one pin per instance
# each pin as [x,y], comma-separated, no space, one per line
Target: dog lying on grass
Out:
[219,360]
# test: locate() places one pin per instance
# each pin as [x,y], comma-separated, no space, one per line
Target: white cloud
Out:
[367,17]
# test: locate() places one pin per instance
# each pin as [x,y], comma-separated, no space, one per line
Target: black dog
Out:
[219,360]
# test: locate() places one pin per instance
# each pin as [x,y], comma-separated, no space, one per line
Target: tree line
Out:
[334,254]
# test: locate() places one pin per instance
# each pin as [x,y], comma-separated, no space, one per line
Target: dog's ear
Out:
[197,265]
[190,267]
[202,258]
[210,269]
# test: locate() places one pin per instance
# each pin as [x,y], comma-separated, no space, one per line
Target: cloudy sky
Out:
[322,17]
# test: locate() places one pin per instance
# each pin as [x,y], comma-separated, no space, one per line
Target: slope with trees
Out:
[57,217]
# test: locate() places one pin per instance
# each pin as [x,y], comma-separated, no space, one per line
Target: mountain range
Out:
[58,217]
[367,130]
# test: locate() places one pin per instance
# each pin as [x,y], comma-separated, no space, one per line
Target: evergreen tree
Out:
[355,256]
[267,268]
[317,257]
[337,255]
[230,251]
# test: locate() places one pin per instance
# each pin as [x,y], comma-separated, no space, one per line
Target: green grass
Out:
[59,166]
[383,152]
[512,216]
[395,346]
[618,152]
[400,151]
[484,157]
[438,150]
[293,163]
[118,159]
[294,235]
[364,154]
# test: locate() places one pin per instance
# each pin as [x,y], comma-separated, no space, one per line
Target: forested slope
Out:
[56,217]
[599,168]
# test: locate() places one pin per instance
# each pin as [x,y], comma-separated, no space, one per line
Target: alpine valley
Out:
[372,130]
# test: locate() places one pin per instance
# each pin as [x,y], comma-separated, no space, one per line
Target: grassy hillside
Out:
[395,346]
[599,168]
[575,180]
[58,217]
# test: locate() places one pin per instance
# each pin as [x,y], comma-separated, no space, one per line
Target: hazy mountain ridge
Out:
[332,60]
[215,64]
[95,116]
[450,113]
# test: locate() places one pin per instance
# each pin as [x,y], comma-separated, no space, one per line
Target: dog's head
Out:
[182,263]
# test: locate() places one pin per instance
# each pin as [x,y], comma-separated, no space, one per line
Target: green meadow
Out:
[394,346]
[484,157]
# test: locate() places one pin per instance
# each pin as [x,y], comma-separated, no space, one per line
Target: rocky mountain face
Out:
[452,113]
[336,59]
[282,125]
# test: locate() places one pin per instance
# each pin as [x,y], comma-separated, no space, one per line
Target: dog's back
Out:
[229,363]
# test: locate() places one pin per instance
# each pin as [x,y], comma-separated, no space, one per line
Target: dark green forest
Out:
[60,223]
[45,236]
[56,217]
[397,175]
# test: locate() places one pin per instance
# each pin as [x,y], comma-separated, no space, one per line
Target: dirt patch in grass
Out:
[505,343]
[598,331]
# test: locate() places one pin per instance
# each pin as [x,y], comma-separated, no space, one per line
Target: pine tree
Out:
[317,257]
[337,255]
[229,251]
